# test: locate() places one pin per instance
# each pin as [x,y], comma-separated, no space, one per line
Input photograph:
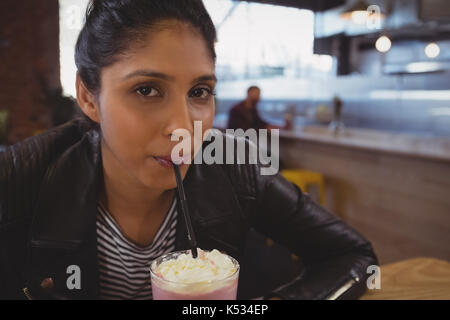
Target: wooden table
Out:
[414,279]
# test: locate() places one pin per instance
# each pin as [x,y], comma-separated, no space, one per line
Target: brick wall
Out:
[29,51]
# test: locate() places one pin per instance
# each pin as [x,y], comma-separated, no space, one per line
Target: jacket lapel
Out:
[212,203]
[63,230]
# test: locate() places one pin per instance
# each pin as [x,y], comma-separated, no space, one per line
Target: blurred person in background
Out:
[244,115]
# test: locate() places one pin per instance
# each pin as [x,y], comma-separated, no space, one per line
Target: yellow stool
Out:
[304,178]
[36,132]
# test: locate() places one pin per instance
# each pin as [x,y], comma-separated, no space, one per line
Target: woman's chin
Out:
[156,176]
[156,181]
[160,185]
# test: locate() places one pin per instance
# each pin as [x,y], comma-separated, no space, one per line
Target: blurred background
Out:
[365,86]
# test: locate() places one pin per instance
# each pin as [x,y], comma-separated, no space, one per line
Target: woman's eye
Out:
[147,91]
[202,93]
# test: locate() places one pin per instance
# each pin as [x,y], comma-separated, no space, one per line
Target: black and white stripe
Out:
[124,267]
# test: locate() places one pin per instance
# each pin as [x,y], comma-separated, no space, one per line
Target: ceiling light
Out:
[383,44]
[432,50]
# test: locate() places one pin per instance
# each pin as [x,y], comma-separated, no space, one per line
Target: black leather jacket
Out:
[48,194]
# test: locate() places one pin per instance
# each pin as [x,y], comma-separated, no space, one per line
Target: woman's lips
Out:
[166,162]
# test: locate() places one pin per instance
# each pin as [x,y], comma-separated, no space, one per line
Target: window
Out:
[255,41]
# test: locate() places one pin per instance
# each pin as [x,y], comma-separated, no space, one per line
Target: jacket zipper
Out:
[27,293]
[339,292]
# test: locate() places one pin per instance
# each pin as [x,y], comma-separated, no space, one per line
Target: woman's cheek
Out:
[122,128]
[204,114]
[202,118]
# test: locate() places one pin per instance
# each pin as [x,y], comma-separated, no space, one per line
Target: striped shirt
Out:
[124,267]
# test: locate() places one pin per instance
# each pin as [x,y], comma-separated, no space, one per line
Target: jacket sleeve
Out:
[22,168]
[335,256]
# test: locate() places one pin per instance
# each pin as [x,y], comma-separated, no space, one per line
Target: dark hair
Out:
[252,88]
[111,25]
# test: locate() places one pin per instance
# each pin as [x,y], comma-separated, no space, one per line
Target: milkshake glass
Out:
[178,276]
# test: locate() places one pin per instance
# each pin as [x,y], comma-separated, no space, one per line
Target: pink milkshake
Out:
[178,276]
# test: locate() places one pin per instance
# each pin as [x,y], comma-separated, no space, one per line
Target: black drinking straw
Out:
[184,208]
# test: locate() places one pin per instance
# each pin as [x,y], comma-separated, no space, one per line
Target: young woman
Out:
[86,207]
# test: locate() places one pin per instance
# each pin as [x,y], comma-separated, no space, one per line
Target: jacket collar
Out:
[68,198]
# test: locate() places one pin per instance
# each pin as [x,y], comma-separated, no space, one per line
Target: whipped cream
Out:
[208,267]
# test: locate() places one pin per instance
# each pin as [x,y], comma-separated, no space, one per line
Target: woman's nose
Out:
[178,118]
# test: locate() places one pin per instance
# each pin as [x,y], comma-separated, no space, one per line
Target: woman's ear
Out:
[87,101]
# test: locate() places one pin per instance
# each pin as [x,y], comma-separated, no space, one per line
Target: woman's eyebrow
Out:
[208,77]
[148,73]
[156,74]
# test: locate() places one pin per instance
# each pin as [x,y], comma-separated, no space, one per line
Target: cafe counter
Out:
[394,188]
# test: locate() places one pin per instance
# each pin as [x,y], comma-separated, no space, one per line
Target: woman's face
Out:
[162,84]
